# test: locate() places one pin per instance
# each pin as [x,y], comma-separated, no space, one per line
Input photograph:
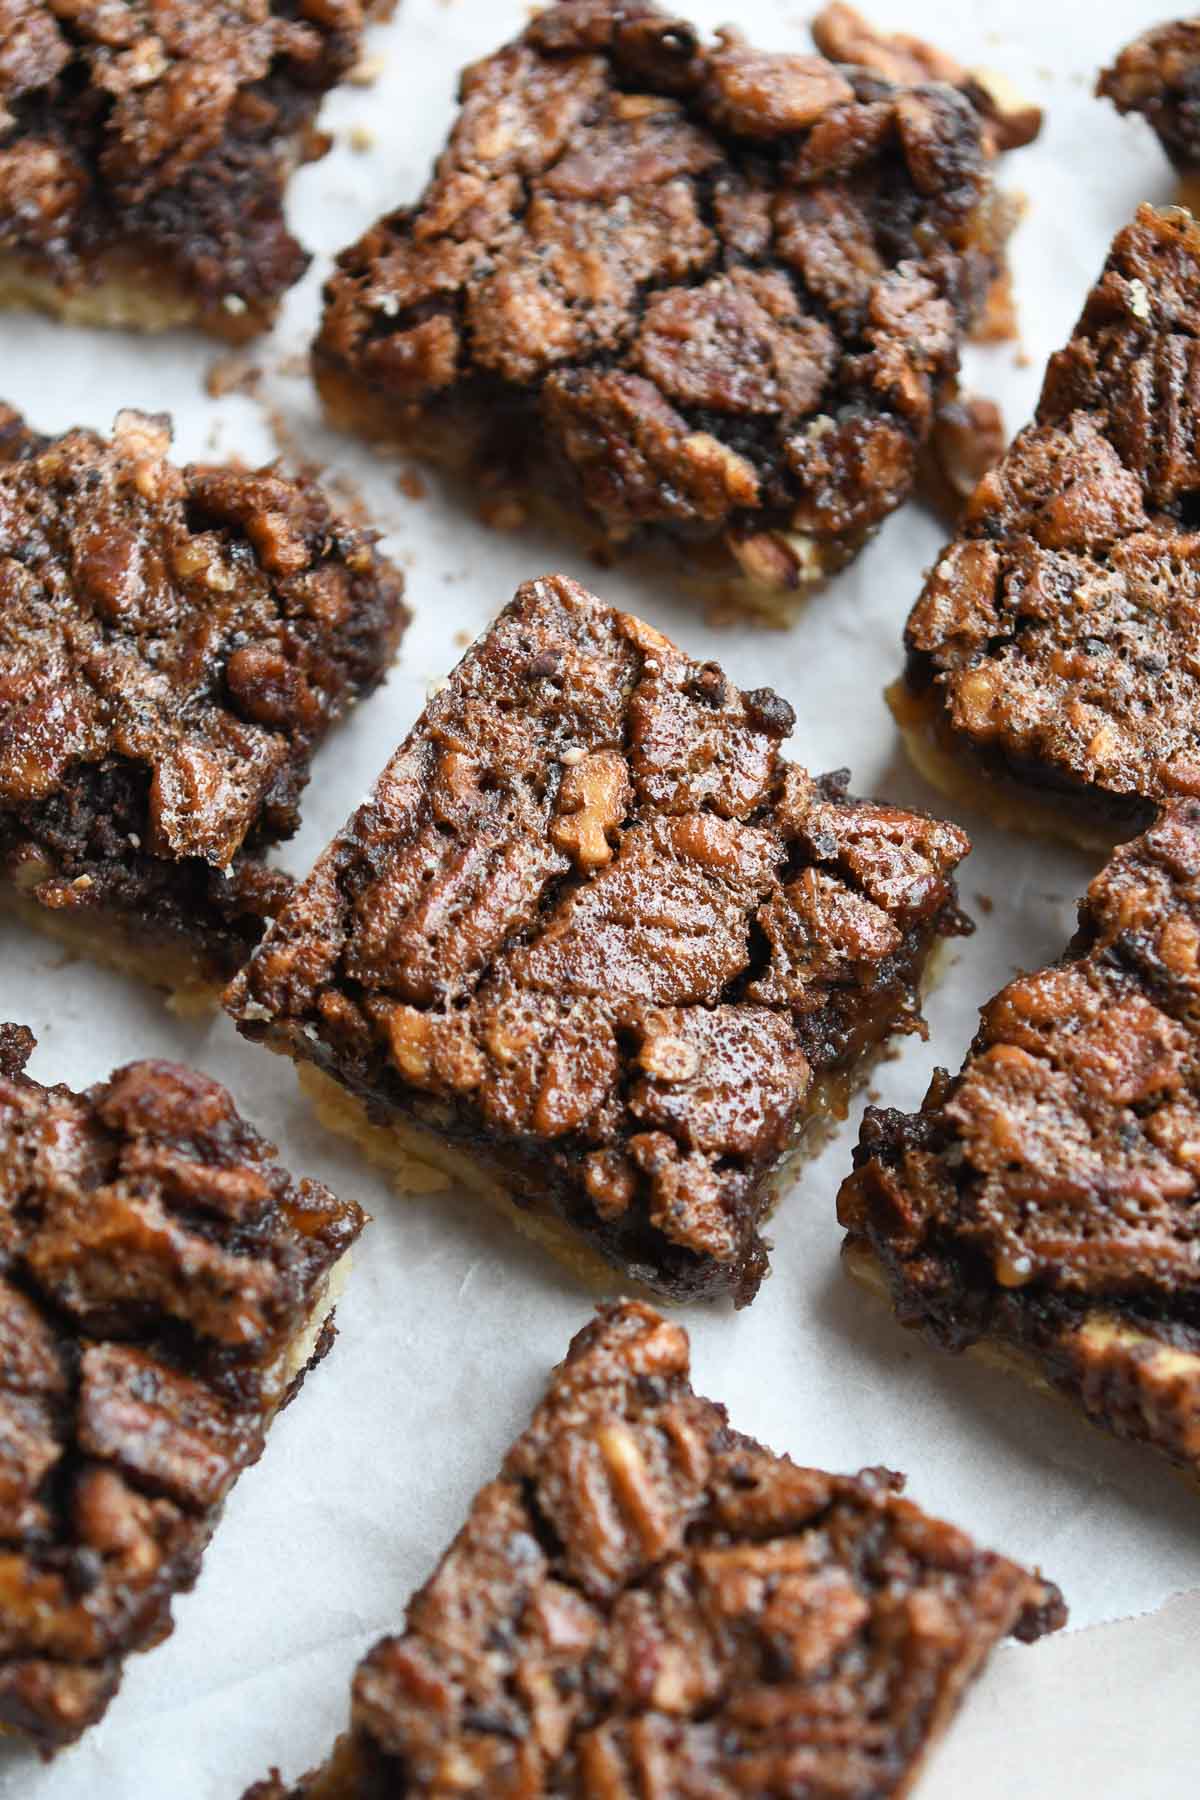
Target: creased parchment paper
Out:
[451,1322]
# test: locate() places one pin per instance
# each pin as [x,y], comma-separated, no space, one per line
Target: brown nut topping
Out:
[594,798]
[146,137]
[1054,644]
[617,977]
[174,645]
[1044,1200]
[658,1604]
[845,36]
[160,1274]
[669,261]
[1155,76]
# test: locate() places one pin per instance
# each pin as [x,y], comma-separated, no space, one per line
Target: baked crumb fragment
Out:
[174,644]
[146,147]
[232,374]
[646,1602]
[1052,673]
[1042,1205]
[661,289]
[967,441]
[165,1287]
[1158,75]
[594,946]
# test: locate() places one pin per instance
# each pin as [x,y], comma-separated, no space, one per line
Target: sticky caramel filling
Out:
[449,441]
[1107,1350]
[420,1161]
[951,766]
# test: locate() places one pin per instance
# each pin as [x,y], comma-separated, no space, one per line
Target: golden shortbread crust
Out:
[121,292]
[419,1161]
[193,992]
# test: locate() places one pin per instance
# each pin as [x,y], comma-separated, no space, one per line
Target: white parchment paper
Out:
[452,1322]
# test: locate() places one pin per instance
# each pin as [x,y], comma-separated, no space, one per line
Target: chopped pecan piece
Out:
[644,1602]
[843,35]
[1044,1202]
[593,931]
[163,1288]
[967,442]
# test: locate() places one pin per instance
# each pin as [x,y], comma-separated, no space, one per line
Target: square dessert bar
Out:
[145,149]
[1158,75]
[670,290]
[645,1603]
[594,947]
[1053,673]
[163,1289]
[174,643]
[1042,1207]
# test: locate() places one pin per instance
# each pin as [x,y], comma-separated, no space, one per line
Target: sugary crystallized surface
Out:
[174,643]
[163,132]
[155,1269]
[1058,638]
[591,924]
[1046,1198]
[644,1603]
[700,288]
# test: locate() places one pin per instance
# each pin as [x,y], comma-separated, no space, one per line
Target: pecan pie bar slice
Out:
[174,643]
[645,1602]
[676,292]
[1053,672]
[163,1289]
[145,149]
[595,948]
[1043,1207]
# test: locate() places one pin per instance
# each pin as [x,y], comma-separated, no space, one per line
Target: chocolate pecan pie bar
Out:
[646,1603]
[1053,673]
[1158,75]
[676,291]
[1044,1205]
[174,643]
[163,1289]
[595,948]
[145,148]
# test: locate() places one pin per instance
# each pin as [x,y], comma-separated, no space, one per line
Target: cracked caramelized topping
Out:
[710,290]
[174,643]
[1158,75]
[593,925]
[644,1603]
[1057,638]
[162,133]
[157,1273]
[1047,1197]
